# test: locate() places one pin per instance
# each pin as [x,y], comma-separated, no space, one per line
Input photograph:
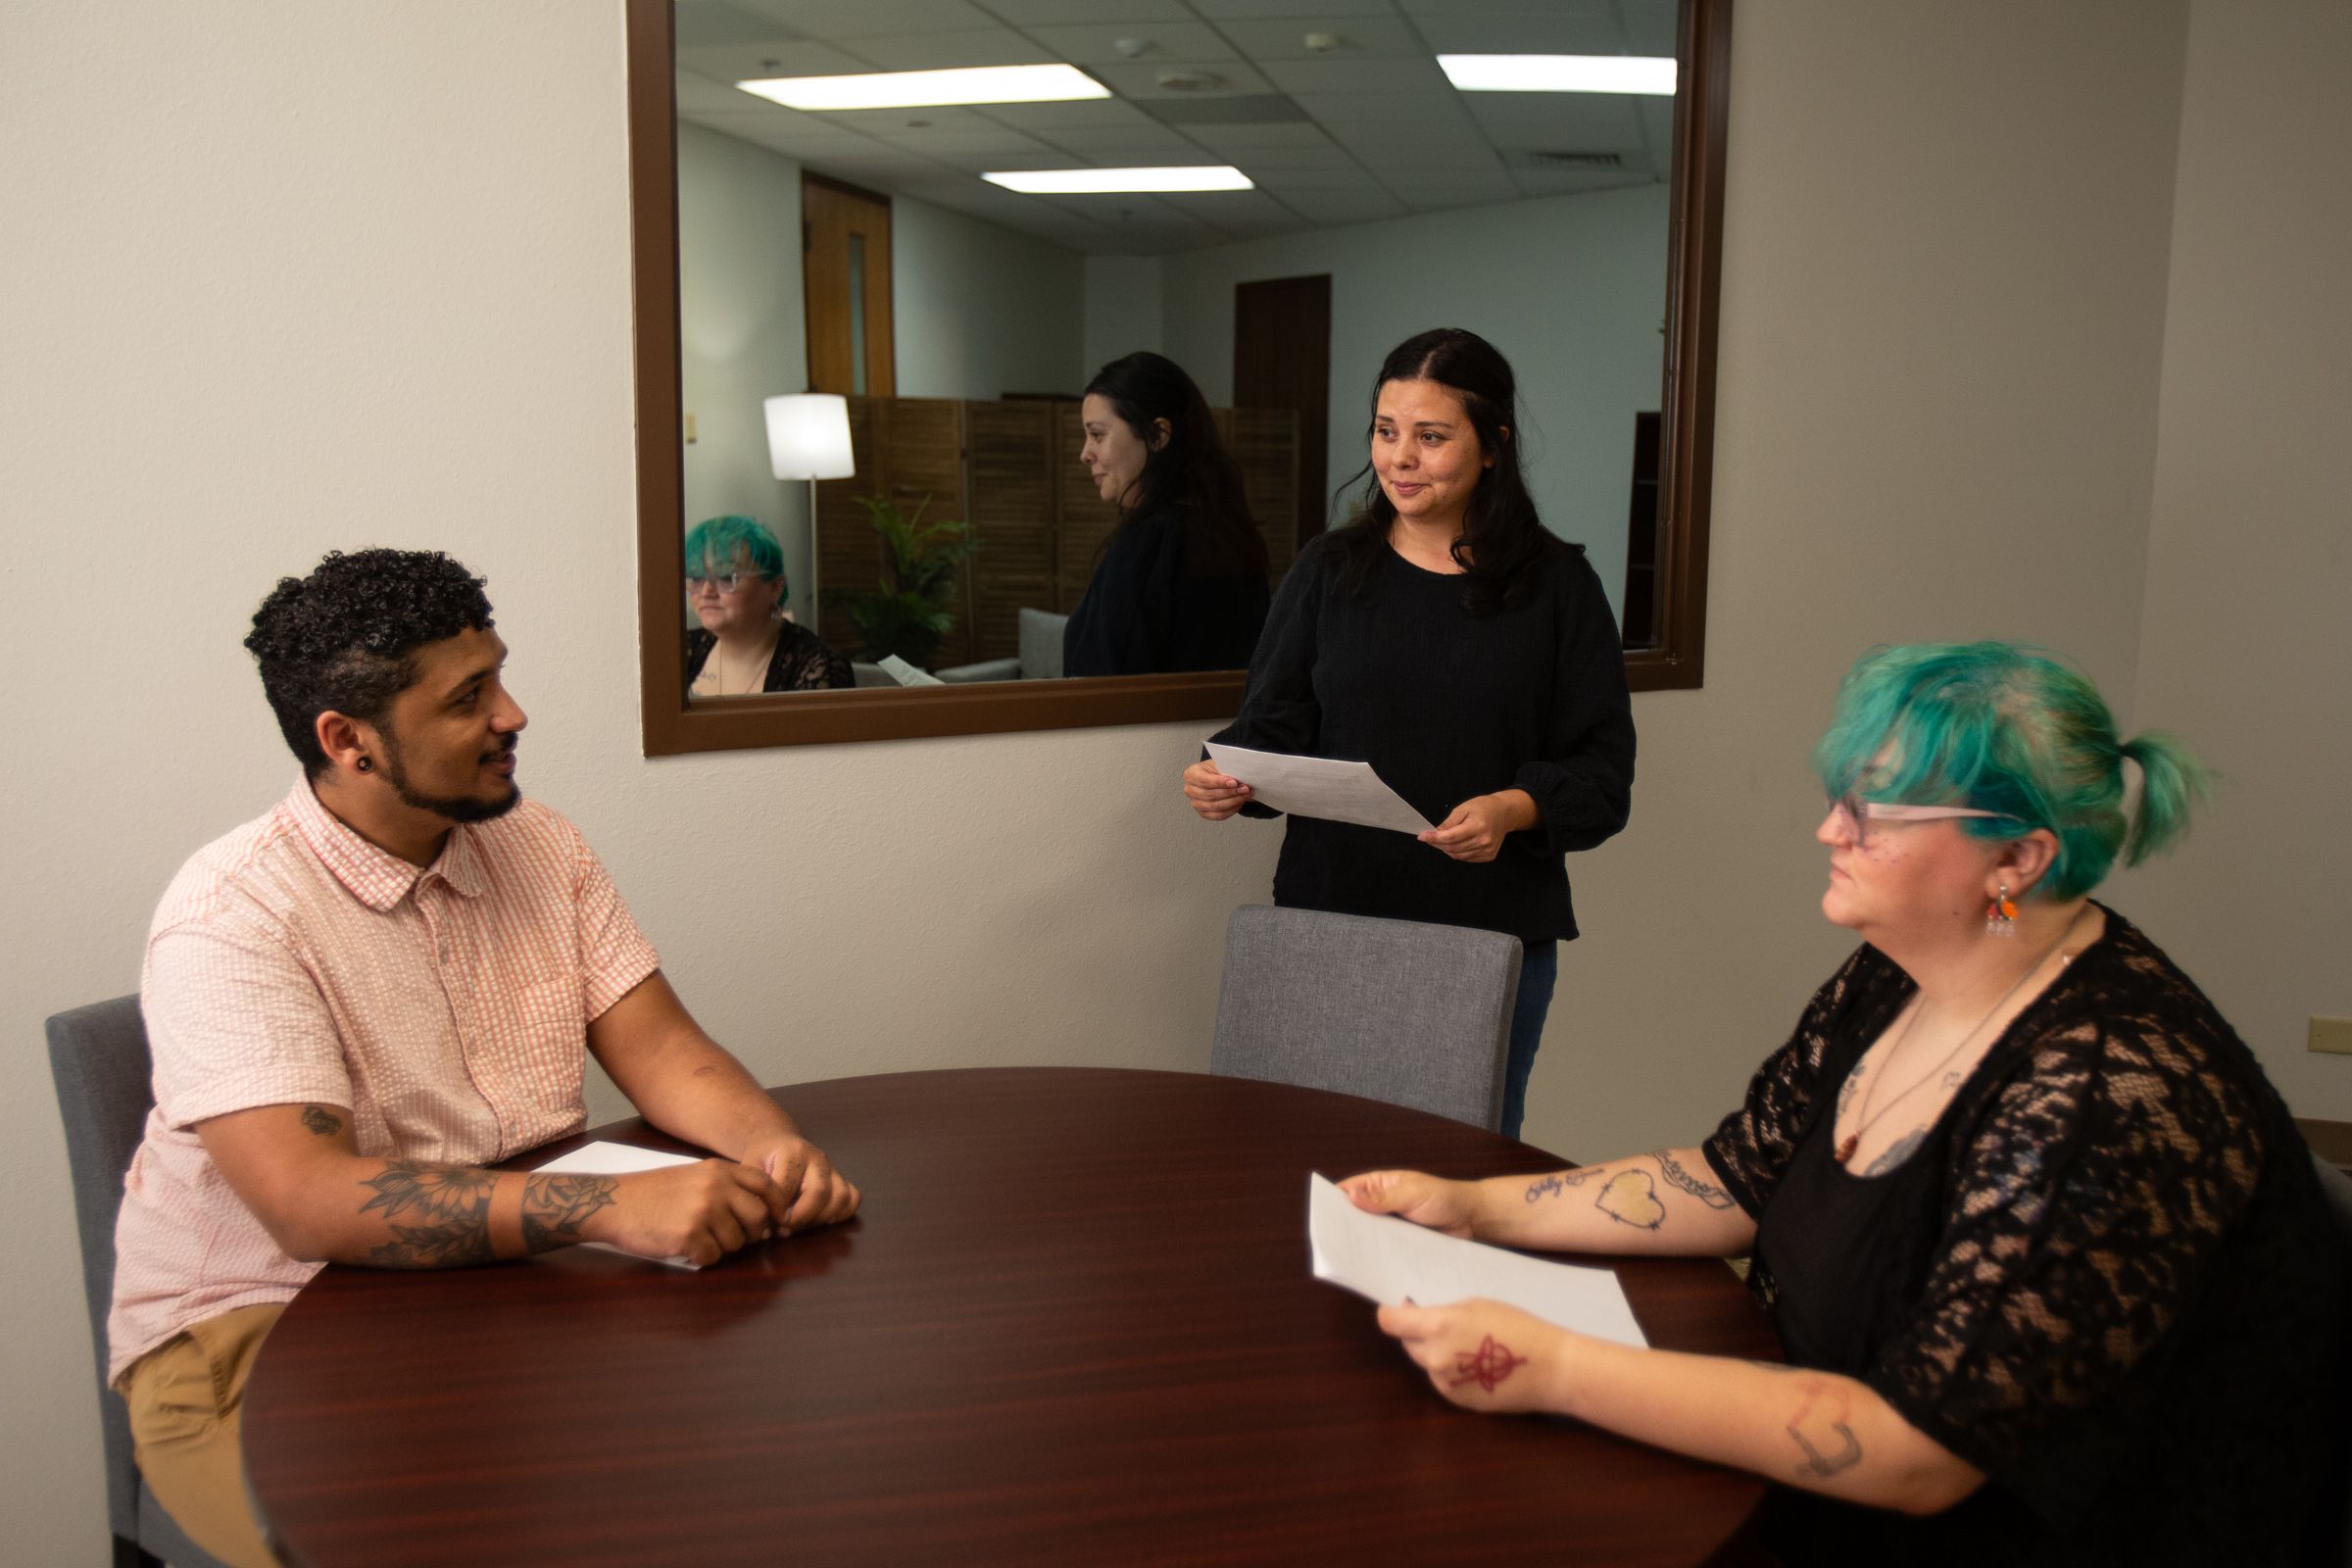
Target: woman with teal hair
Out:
[2053,1270]
[736,589]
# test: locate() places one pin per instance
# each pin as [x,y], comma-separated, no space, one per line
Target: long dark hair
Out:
[1502,539]
[1191,474]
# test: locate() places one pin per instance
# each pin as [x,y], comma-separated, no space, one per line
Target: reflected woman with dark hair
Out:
[1182,580]
[1444,636]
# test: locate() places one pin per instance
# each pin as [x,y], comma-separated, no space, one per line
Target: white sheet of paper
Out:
[906,674]
[1318,786]
[604,1158]
[1386,1259]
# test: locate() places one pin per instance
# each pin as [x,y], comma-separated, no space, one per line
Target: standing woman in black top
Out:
[1182,580]
[1444,636]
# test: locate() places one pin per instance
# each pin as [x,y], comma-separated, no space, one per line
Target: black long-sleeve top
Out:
[1150,610]
[1445,706]
[802,663]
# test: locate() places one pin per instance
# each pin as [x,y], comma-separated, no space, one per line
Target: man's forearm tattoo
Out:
[1492,1365]
[322,1122]
[450,1206]
[1553,1185]
[555,1208]
[1707,1191]
[1631,1198]
[1821,1428]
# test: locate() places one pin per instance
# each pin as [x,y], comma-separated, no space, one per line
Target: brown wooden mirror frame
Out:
[1694,253]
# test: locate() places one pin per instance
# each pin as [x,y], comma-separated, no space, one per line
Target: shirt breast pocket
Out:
[550,1056]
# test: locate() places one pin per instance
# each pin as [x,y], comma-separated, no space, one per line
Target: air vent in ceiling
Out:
[1563,159]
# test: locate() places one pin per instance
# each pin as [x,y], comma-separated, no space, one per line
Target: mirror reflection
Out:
[986,531]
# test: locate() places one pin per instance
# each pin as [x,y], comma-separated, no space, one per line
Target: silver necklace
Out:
[1844,1147]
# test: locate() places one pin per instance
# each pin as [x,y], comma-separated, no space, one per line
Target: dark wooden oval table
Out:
[1073,1324]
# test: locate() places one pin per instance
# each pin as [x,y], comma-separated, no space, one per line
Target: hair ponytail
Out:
[2171,782]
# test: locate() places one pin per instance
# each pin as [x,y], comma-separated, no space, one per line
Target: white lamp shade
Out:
[809,436]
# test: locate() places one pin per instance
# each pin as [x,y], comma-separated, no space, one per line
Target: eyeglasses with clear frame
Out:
[726,583]
[1859,813]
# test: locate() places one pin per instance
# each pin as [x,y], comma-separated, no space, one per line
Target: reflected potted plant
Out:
[906,612]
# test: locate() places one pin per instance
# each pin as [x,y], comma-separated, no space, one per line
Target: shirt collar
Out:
[378,878]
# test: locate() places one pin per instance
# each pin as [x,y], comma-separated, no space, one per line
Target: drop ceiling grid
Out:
[1382,127]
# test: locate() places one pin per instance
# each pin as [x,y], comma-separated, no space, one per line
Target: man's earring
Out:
[2000,916]
[365,765]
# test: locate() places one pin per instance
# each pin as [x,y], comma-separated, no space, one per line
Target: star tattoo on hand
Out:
[1492,1365]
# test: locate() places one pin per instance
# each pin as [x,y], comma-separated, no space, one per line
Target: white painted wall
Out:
[980,310]
[1124,307]
[1572,289]
[230,346]
[2245,647]
[744,334]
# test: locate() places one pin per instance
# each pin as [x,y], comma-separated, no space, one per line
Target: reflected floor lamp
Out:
[809,438]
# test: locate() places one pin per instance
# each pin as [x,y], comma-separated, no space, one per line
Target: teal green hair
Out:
[2010,729]
[715,544]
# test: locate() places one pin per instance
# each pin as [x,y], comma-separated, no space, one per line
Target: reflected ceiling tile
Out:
[698,93]
[1405,73]
[1327,156]
[890,121]
[947,51]
[1594,121]
[703,22]
[1451,33]
[1650,26]
[1285,37]
[1657,131]
[733,63]
[976,164]
[1055,13]
[798,141]
[1458,191]
[1168,43]
[1140,79]
[1319,10]
[1259,138]
[1343,206]
[1140,146]
[1049,120]
[1002,145]
[1440,104]
[1572,181]
[1281,182]
[838,19]
[1422,10]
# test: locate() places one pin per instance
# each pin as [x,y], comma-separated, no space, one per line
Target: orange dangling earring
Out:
[2000,916]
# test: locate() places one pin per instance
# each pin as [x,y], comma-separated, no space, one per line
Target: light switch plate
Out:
[2332,1034]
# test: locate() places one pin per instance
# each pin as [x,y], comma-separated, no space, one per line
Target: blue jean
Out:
[1538,973]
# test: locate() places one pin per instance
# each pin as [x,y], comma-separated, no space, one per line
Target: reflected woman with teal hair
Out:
[2053,1270]
[745,642]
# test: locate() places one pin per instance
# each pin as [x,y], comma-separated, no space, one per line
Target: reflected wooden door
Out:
[845,265]
[1281,359]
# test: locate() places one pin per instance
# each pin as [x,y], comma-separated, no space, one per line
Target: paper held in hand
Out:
[1389,1259]
[605,1158]
[1318,786]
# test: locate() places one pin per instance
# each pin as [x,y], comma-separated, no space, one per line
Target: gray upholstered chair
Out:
[1415,1014]
[98,1055]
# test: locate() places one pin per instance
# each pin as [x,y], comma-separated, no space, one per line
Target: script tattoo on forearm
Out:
[555,1208]
[1820,1426]
[1681,1176]
[1492,1364]
[449,1206]
[322,1122]
[1553,1185]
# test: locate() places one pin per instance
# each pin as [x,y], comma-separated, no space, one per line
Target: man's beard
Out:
[456,808]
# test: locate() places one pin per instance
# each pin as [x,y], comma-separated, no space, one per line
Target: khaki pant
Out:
[186,1399]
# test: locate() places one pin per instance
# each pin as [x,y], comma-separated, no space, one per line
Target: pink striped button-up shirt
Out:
[294,963]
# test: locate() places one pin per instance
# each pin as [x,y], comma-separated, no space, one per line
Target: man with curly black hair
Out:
[388,982]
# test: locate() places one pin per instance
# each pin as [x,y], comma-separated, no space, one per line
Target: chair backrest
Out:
[1415,1014]
[1041,644]
[98,1056]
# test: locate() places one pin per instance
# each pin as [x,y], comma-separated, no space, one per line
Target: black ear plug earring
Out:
[364,765]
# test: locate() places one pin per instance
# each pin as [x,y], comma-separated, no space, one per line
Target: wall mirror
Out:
[1578,230]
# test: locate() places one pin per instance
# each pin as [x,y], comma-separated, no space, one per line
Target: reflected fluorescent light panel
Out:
[1646,75]
[931,89]
[1094,182]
